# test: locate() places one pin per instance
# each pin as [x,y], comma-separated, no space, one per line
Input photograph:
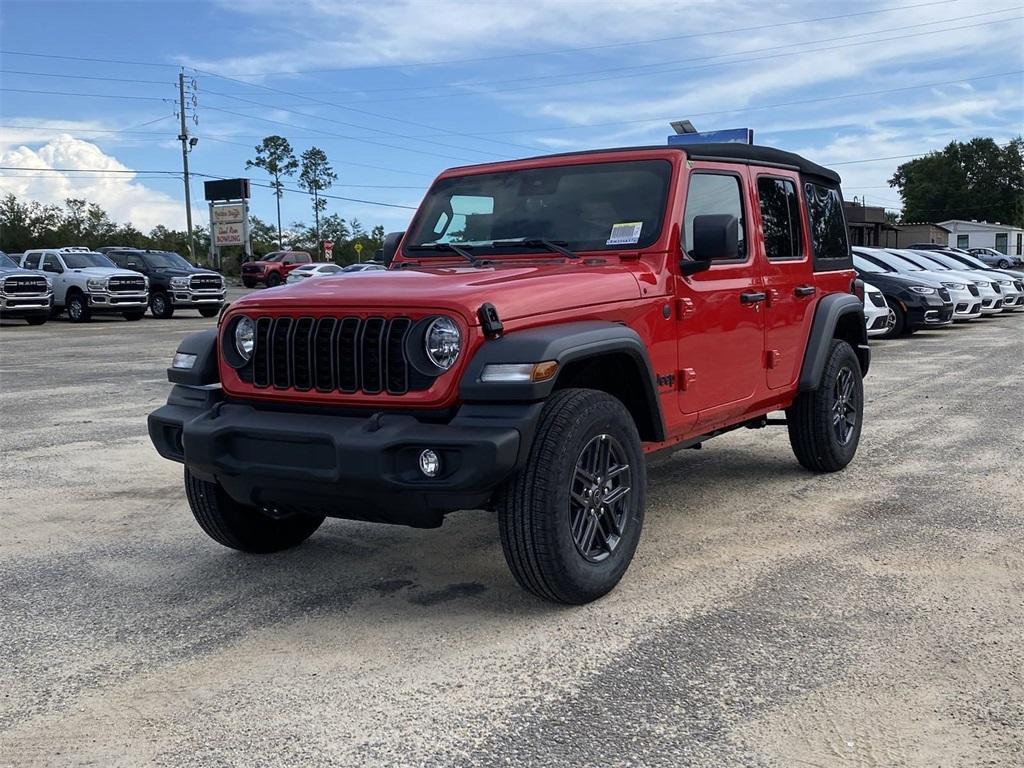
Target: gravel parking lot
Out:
[772,617]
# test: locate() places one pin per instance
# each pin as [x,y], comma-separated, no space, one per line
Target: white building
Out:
[1005,238]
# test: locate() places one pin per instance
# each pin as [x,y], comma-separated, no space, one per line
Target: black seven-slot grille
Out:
[344,354]
[25,284]
[126,284]
[205,282]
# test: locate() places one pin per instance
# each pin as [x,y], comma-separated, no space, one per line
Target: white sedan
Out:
[877,315]
[307,271]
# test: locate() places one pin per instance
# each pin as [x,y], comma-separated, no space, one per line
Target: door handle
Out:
[805,290]
[753,297]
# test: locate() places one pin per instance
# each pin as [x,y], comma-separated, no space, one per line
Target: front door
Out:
[54,269]
[788,277]
[721,310]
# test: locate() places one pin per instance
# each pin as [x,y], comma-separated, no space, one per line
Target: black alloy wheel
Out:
[844,406]
[598,499]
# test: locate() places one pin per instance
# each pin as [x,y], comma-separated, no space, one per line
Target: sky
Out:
[395,91]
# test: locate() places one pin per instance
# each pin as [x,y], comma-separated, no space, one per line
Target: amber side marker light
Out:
[509,372]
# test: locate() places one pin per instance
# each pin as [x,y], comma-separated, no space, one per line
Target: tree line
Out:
[26,224]
[978,179]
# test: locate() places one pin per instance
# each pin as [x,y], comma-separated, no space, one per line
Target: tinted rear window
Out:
[828,227]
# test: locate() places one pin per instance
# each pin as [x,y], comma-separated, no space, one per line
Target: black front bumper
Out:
[362,467]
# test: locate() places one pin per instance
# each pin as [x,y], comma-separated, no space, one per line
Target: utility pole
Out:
[186,147]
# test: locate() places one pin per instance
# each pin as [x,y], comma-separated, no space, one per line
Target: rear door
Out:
[788,277]
[721,336]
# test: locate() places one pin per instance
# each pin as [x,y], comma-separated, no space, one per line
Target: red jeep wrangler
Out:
[273,268]
[543,326]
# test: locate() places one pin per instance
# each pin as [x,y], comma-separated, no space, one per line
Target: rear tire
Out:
[241,527]
[570,519]
[160,305]
[825,423]
[37,319]
[209,311]
[78,308]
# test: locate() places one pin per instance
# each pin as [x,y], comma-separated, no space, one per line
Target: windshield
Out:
[896,262]
[948,262]
[275,256]
[6,261]
[925,261]
[595,207]
[165,260]
[862,263]
[969,261]
[85,260]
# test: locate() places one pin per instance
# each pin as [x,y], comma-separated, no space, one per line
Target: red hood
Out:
[515,291]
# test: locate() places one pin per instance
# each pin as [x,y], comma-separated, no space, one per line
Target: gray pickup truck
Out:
[87,283]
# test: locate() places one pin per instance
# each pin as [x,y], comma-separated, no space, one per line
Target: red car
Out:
[543,327]
[273,268]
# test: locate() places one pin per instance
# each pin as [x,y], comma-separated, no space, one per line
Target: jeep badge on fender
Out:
[506,360]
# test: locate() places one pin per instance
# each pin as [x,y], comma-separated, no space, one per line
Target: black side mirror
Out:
[716,237]
[52,268]
[390,247]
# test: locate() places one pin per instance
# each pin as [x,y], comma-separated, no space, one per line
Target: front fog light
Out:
[430,463]
[245,337]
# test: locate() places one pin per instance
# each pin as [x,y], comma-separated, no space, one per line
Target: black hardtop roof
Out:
[735,153]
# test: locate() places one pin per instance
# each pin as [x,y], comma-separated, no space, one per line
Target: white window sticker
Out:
[625,233]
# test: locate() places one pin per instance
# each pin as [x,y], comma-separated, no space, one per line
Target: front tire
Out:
[160,306]
[1004,264]
[37,319]
[209,311]
[78,309]
[133,315]
[241,527]
[570,519]
[273,280]
[825,423]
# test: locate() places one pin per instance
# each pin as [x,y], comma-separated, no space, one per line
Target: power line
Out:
[321,194]
[84,77]
[355,125]
[474,83]
[605,46]
[875,41]
[500,57]
[338,135]
[89,95]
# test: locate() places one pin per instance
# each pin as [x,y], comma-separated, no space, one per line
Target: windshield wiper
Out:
[461,250]
[555,246]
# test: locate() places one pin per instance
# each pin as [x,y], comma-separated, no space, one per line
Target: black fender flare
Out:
[202,344]
[827,315]
[564,343]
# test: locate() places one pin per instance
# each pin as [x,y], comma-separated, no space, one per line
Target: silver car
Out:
[87,283]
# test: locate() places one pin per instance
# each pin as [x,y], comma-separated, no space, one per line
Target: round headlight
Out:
[443,342]
[245,337]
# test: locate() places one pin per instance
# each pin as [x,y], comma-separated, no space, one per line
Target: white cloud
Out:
[118,191]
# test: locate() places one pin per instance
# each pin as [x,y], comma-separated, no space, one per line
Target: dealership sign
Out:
[232,213]
[228,234]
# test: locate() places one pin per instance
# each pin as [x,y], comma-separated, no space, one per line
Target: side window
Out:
[962,241]
[130,262]
[713,193]
[828,227]
[31,261]
[50,264]
[116,257]
[780,218]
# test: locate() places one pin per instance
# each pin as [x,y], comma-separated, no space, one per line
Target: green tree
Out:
[316,176]
[973,180]
[276,157]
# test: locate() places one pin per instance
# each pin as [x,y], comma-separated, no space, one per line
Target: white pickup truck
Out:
[87,283]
